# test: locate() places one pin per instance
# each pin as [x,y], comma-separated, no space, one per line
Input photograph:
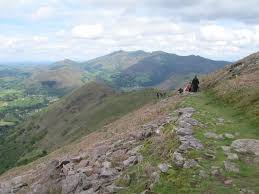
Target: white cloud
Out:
[215,33]
[43,12]
[90,28]
[87,31]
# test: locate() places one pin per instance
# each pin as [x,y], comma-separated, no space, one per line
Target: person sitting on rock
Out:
[188,87]
[195,84]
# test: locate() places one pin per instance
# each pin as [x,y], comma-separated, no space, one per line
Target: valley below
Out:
[104,130]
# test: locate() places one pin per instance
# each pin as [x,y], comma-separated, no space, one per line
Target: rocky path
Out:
[90,172]
[99,169]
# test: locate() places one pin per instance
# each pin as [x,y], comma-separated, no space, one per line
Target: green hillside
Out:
[80,113]
[122,69]
[160,67]
[237,85]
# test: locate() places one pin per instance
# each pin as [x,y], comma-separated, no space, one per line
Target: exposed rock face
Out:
[249,146]
[96,170]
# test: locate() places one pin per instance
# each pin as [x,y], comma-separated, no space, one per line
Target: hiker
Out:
[157,95]
[188,87]
[195,84]
[180,90]
[162,94]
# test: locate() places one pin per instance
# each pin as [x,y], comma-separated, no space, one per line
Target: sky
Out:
[50,30]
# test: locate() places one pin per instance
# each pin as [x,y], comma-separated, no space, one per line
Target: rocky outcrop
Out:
[97,170]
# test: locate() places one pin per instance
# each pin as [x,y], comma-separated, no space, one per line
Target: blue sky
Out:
[50,30]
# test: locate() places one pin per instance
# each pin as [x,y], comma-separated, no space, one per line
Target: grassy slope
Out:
[188,180]
[66,121]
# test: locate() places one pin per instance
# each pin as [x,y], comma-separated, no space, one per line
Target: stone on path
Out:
[246,191]
[231,167]
[178,159]
[130,161]
[215,170]
[190,163]
[184,131]
[232,156]
[226,149]
[249,146]
[212,135]
[191,141]
[163,167]
[229,136]
[228,182]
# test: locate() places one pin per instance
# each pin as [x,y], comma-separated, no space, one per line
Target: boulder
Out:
[107,172]
[76,159]
[130,161]
[229,136]
[186,111]
[228,182]
[183,124]
[212,135]
[184,146]
[71,183]
[88,171]
[246,191]
[191,141]
[119,155]
[83,163]
[191,121]
[190,163]
[215,171]
[178,159]
[163,167]
[184,131]
[249,146]
[68,169]
[99,151]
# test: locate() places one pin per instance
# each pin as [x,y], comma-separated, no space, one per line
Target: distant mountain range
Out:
[122,69]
